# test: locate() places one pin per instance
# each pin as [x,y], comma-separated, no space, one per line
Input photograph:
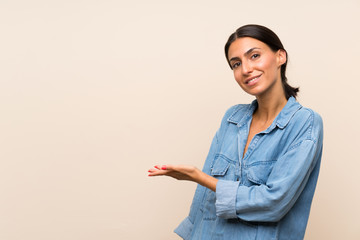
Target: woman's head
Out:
[269,38]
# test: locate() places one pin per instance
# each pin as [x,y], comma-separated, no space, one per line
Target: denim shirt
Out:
[267,193]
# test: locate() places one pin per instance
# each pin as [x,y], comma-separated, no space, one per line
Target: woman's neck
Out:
[269,107]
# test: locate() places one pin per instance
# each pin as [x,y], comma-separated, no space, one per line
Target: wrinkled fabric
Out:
[266,193]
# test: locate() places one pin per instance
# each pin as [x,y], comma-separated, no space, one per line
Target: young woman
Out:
[259,178]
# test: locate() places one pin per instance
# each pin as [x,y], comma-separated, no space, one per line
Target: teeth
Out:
[252,80]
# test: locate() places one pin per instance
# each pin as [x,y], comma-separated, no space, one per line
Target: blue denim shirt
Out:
[266,194]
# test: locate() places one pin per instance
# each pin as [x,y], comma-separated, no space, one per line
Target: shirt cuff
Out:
[226,199]
[184,229]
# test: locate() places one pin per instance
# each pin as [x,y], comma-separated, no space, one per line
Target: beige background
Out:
[93,93]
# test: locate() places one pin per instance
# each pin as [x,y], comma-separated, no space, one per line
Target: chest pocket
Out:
[258,172]
[224,168]
[219,167]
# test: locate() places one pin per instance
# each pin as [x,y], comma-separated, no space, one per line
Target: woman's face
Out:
[256,67]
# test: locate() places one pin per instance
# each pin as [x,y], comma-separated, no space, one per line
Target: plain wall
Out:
[94,93]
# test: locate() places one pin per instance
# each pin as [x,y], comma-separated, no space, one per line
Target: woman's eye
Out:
[255,56]
[235,65]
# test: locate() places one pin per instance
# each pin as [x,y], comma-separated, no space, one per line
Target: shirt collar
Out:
[242,115]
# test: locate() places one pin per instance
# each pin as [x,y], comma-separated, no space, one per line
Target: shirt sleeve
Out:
[185,228]
[270,201]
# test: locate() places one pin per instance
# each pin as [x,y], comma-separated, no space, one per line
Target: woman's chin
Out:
[254,92]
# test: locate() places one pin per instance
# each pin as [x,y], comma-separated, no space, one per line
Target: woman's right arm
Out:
[185,228]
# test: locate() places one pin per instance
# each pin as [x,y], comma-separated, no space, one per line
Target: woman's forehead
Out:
[242,45]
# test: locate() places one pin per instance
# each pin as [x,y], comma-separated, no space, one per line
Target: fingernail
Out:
[163,167]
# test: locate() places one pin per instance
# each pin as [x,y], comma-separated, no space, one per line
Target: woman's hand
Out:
[184,172]
[179,172]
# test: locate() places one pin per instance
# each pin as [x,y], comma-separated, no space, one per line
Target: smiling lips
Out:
[253,80]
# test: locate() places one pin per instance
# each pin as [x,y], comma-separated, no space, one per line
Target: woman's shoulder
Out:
[308,115]
[309,121]
[237,109]
[234,113]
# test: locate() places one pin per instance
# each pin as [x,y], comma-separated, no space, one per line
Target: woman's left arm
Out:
[293,173]
[269,202]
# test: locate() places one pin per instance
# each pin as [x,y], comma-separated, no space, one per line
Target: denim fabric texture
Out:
[266,194]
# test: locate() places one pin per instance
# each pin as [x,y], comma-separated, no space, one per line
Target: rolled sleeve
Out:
[184,229]
[226,199]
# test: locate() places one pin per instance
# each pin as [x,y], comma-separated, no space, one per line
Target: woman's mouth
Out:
[253,80]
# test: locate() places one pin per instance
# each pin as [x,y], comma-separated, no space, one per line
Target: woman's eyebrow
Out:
[245,54]
[250,50]
[234,59]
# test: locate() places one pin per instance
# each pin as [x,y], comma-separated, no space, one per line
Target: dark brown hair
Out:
[268,37]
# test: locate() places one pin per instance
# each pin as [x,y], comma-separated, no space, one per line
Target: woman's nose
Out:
[247,68]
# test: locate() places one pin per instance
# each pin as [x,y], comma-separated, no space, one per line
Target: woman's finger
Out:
[157,172]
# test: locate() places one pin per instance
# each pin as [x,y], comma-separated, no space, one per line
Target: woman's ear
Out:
[281,57]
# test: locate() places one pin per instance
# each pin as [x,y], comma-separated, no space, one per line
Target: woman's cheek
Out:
[267,63]
[238,76]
